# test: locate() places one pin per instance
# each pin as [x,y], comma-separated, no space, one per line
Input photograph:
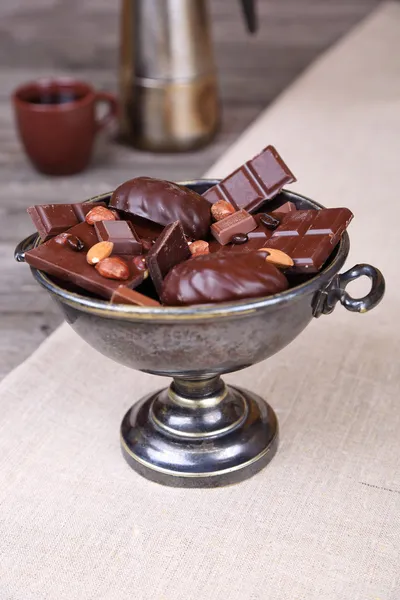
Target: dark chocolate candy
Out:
[222,277]
[64,263]
[170,249]
[309,236]
[121,233]
[238,222]
[164,202]
[124,295]
[52,219]
[258,180]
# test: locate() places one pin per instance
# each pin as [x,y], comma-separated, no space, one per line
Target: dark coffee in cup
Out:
[57,122]
[54,98]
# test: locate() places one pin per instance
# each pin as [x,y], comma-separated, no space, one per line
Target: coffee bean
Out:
[269,221]
[239,238]
[75,243]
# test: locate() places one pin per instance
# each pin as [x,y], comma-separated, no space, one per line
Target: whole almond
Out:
[199,247]
[113,268]
[222,209]
[99,213]
[278,258]
[99,252]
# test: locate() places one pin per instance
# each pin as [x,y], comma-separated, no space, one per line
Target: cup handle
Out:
[325,301]
[112,112]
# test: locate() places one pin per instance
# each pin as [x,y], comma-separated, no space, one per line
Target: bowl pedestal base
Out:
[199,433]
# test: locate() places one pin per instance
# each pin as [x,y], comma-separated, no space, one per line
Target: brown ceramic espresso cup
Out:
[57,122]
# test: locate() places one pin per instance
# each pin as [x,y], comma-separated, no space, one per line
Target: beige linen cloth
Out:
[322,521]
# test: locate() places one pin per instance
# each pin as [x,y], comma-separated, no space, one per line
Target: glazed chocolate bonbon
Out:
[164,202]
[170,249]
[63,262]
[258,180]
[52,219]
[222,277]
[122,234]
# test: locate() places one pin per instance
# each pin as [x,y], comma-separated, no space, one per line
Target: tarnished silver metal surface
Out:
[199,432]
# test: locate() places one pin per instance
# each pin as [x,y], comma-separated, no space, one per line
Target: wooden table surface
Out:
[80,37]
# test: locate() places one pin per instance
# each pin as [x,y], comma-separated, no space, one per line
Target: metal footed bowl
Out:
[200,432]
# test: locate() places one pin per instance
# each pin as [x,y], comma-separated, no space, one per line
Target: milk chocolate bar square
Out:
[258,180]
[121,233]
[52,219]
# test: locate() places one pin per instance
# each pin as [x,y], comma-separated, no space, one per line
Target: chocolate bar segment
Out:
[52,219]
[284,209]
[258,180]
[238,222]
[124,295]
[121,233]
[164,202]
[63,262]
[170,249]
[222,277]
[309,236]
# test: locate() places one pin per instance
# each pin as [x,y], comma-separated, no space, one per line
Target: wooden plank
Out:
[80,37]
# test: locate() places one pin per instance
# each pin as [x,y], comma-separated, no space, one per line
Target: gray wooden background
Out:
[80,37]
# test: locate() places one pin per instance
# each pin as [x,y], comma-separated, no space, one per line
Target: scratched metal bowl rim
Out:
[200,311]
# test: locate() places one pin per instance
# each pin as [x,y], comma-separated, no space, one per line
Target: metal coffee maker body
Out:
[169,91]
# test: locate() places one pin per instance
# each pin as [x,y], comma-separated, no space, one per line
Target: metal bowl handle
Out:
[26,244]
[326,299]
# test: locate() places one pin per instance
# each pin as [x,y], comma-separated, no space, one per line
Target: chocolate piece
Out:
[269,221]
[258,180]
[170,249]
[284,209]
[164,202]
[121,234]
[309,236]
[124,295]
[222,277]
[62,262]
[148,231]
[238,222]
[51,219]
[239,238]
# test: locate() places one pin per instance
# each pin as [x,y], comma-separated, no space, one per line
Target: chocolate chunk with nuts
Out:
[52,219]
[170,249]
[61,262]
